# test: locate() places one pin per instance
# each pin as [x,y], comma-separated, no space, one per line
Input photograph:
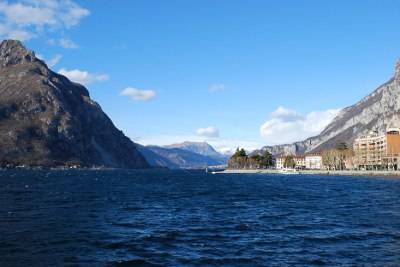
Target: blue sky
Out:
[246,73]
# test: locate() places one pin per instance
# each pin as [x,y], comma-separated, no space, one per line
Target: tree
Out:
[341,146]
[266,159]
[344,156]
[328,159]
[242,153]
[336,158]
[254,162]
[239,153]
[239,160]
[236,154]
[257,158]
[289,162]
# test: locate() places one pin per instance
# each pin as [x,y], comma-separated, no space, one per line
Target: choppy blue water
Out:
[165,218]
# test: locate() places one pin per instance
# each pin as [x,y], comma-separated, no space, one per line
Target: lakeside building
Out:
[374,151]
[280,162]
[313,161]
[300,162]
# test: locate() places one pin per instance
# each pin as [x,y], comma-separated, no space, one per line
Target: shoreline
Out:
[312,172]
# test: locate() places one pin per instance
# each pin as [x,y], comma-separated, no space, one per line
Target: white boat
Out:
[288,171]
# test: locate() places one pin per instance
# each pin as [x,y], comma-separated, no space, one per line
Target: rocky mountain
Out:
[187,155]
[155,159]
[47,120]
[377,111]
[202,148]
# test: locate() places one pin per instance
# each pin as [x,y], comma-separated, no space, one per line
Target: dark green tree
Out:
[266,159]
[239,159]
[341,146]
[257,158]
[239,153]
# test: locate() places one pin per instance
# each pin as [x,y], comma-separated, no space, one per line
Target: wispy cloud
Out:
[138,94]
[217,88]
[208,132]
[54,60]
[63,42]
[83,77]
[287,125]
[26,19]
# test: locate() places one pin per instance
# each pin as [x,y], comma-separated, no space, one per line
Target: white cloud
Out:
[54,60]
[287,126]
[138,94]
[63,42]
[26,19]
[7,31]
[216,88]
[208,132]
[284,114]
[83,77]
[67,43]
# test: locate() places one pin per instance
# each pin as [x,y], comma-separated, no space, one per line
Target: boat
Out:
[288,171]
[215,169]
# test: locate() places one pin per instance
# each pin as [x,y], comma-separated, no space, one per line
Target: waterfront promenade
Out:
[312,172]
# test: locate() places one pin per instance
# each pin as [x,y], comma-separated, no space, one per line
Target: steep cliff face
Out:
[47,120]
[377,111]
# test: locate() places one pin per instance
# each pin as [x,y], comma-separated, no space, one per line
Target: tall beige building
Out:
[375,151]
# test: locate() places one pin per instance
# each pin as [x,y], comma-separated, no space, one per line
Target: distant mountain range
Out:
[377,111]
[47,120]
[186,155]
[202,148]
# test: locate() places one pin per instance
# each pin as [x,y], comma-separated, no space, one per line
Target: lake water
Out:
[167,218]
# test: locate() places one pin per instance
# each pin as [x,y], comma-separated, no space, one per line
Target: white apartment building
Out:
[299,160]
[280,161]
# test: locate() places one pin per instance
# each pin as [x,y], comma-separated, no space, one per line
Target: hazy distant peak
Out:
[202,148]
[198,144]
[189,143]
[183,155]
